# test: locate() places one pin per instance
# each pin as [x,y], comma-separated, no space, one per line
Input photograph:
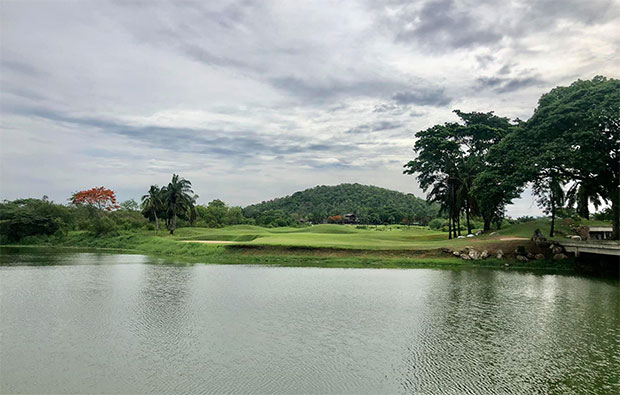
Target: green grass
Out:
[322,246]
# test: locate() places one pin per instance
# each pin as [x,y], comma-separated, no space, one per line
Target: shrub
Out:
[436,223]
[30,217]
[102,225]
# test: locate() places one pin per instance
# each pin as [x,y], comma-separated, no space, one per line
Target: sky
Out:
[256,100]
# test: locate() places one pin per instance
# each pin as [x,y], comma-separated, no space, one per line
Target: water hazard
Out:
[101,323]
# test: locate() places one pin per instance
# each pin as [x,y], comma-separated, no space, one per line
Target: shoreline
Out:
[286,256]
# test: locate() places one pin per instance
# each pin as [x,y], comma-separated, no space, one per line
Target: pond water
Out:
[102,323]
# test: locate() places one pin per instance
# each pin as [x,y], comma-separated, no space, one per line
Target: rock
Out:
[557,250]
[539,256]
[470,235]
[520,250]
[578,238]
[494,234]
[473,254]
[530,255]
[521,258]
[559,257]
[538,237]
[447,250]
[460,237]
[456,253]
[583,232]
[478,233]
[499,254]
[465,256]
[484,254]
[467,248]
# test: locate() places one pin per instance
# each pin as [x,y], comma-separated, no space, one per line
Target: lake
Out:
[104,323]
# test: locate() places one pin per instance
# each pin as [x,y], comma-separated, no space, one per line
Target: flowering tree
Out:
[101,198]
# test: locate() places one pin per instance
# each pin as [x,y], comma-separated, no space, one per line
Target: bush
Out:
[102,225]
[30,217]
[604,215]
[128,220]
[437,223]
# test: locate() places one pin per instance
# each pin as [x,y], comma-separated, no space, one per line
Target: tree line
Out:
[568,152]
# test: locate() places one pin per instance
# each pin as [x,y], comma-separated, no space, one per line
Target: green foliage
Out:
[274,218]
[217,214]
[453,163]
[153,206]
[128,220]
[604,215]
[371,205]
[234,216]
[130,205]
[32,217]
[436,223]
[179,201]
[574,134]
[102,225]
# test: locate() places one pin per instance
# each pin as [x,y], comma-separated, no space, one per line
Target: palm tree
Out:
[178,199]
[152,203]
[584,192]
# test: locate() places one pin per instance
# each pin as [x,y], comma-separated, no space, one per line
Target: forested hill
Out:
[369,203]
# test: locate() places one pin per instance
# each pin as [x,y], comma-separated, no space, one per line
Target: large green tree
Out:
[454,162]
[575,133]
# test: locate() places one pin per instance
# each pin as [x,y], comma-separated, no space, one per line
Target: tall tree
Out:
[575,132]
[179,200]
[457,155]
[436,166]
[583,193]
[152,204]
[550,196]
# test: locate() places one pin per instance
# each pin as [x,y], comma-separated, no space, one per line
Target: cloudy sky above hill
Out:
[255,100]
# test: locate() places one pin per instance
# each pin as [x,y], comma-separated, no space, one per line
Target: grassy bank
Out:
[317,246]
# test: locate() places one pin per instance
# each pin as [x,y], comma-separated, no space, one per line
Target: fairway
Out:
[332,236]
[394,237]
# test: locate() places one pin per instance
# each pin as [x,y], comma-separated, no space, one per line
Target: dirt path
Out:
[512,238]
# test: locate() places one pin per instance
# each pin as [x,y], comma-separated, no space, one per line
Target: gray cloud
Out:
[375,127]
[506,84]
[444,25]
[333,88]
[225,144]
[423,97]
[441,25]
[267,95]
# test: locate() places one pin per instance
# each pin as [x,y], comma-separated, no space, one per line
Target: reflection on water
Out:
[99,323]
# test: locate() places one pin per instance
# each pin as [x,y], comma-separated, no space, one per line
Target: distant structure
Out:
[350,219]
[600,232]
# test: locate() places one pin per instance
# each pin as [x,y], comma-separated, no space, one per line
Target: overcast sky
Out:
[255,100]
